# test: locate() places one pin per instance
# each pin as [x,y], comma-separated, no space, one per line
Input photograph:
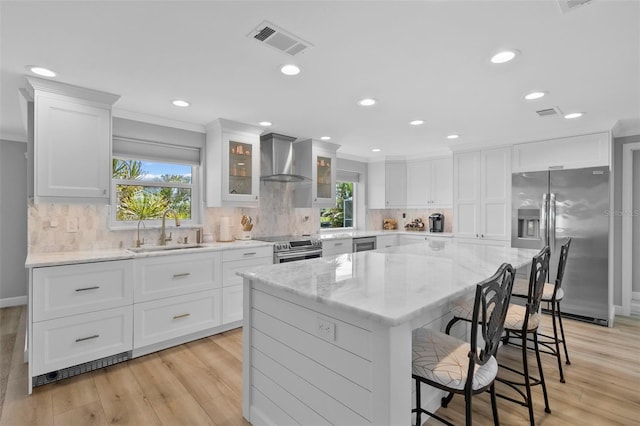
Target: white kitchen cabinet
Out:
[482,194]
[232,165]
[164,319]
[71,142]
[317,160]
[420,237]
[573,152]
[174,275]
[386,241]
[387,185]
[429,183]
[234,261]
[336,246]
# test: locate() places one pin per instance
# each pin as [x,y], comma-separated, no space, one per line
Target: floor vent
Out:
[569,5]
[549,112]
[279,39]
[65,373]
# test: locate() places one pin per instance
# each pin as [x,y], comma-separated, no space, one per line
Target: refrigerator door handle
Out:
[552,223]
[543,219]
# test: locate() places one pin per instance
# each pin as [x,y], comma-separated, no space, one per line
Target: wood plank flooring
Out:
[200,383]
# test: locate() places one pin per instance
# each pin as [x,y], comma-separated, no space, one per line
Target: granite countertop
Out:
[328,235]
[101,255]
[393,285]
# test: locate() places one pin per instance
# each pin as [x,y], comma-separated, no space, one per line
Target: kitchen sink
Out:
[151,249]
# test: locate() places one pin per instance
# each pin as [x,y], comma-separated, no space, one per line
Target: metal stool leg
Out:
[564,341]
[555,340]
[494,404]
[418,406]
[544,386]
[527,382]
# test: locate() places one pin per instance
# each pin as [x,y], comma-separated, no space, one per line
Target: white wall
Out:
[13,223]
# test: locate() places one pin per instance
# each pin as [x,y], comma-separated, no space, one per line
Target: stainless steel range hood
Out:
[276,159]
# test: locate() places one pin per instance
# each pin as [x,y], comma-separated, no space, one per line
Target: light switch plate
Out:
[326,329]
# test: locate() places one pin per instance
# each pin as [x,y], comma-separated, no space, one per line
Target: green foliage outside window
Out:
[340,216]
[140,198]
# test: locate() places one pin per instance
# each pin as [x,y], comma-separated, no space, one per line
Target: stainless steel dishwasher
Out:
[364,243]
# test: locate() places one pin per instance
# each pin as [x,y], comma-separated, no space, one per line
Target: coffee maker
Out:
[436,222]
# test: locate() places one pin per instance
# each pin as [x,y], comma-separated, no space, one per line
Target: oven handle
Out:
[289,255]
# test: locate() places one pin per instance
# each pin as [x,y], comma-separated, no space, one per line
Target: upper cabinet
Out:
[70,138]
[387,185]
[482,194]
[429,183]
[564,153]
[316,160]
[232,165]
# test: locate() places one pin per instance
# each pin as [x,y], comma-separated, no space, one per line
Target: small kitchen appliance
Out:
[436,222]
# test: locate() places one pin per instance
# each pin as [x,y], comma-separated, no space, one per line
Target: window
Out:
[146,184]
[342,215]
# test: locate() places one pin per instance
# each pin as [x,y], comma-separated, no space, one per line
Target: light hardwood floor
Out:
[200,383]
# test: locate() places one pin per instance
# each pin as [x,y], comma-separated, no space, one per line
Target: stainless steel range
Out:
[288,248]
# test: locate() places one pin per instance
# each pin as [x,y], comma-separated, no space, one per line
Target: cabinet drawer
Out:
[165,319]
[232,303]
[166,276]
[248,253]
[69,341]
[60,291]
[229,269]
[386,241]
[335,247]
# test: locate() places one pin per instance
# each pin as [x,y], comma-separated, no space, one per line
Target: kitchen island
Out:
[328,341]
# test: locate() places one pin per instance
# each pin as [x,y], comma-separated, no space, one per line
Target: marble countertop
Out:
[393,285]
[360,234]
[101,255]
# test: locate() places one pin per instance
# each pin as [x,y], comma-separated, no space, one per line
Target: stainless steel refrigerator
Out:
[549,206]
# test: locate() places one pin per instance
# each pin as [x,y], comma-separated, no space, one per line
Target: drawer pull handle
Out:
[181,316]
[250,253]
[185,274]
[95,287]
[337,244]
[82,339]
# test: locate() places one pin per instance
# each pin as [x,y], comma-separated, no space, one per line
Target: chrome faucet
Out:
[138,242]
[163,234]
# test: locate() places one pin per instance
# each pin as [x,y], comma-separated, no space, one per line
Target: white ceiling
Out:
[421,59]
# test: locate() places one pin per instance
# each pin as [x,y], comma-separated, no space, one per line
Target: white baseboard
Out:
[13,301]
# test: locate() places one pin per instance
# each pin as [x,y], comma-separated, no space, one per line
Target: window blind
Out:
[155,151]
[347,176]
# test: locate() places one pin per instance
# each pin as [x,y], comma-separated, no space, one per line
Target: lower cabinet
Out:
[386,241]
[164,319]
[232,303]
[73,340]
[335,247]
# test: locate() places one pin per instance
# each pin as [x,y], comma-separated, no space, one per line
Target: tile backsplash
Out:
[47,223]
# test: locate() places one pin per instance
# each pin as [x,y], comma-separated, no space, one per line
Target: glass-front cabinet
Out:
[233,164]
[317,160]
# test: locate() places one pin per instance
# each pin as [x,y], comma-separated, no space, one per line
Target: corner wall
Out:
[13,223]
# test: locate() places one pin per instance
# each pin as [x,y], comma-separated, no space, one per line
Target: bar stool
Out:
[552,295]
[521,321]
[459,367]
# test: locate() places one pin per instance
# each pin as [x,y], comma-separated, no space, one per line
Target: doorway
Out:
[631,229]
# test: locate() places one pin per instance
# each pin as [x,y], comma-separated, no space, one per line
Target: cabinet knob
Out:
[476,235]
[256,197]
[481,235]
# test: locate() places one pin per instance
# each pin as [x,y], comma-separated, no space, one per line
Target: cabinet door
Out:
[466,194]
[324,171]
[386,241]
[442,181]
[396,184]
[419,180]
[240,168]
[232,304]
[72,148]
[495,197]
[376,185]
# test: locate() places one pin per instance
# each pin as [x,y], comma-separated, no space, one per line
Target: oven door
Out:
[292,256]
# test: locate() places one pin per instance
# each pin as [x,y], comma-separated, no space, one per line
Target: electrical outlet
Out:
[72,224]
[326,329]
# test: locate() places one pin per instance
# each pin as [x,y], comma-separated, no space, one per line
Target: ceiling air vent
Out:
[279,39]
[569,5]
[549,112]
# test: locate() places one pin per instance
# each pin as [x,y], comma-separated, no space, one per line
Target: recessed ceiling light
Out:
[290,69]
[504,56]
[376,150]
[180,103]
[44,72]
[534,95]
[574,115]
[416,122]
[367,102]
[325,138]
[454,136]
[265,123]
